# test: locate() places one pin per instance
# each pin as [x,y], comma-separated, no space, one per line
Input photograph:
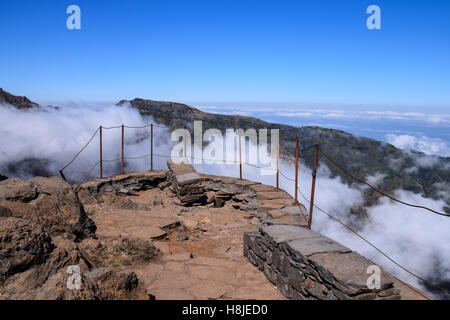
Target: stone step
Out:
[187,182]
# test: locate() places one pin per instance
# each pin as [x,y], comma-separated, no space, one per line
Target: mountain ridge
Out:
[20,102]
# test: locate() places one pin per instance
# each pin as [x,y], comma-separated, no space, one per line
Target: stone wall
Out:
[301,263]
[186,182]
[306,265]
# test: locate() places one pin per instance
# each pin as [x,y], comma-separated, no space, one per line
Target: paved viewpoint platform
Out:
[209,228]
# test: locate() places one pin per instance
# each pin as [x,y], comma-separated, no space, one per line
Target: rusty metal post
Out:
[151,147]
[296,170]
[311,203]
[240,155]
[185,143]
[278,167]
[62,175]
[123,138]
[101,154]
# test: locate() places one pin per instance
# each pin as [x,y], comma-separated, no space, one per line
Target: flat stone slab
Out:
[262,187]
[350,268]
[146,232]
[245,182]
[277,213]
[188,178]
[284,233]
[119,178]
[267,205]
[293,210]
[270,195]
[292,220]
[315,243]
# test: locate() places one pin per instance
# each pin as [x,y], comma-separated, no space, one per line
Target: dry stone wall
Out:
[306,265]
[302,263]
[186,182]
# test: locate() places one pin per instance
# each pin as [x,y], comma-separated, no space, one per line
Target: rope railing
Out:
[145,126]
[346,172]
[376,248]
[310,201]
[327,157]
[82,149]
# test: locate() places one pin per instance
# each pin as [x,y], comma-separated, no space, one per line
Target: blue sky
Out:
[289,53]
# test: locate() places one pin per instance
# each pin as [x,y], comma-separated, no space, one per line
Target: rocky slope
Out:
[16,101]
[43,231]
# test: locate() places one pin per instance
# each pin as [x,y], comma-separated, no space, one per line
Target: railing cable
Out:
[378,190]
[81,149]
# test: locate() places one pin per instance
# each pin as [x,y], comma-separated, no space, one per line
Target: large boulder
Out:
[99,284]
[49,202]
[23,244]
[51,279]
[42,223]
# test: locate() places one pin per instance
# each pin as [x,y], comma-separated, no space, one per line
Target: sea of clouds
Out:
[422,143]
[51,138]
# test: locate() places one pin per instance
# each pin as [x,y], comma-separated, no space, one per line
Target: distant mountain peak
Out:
[17,101]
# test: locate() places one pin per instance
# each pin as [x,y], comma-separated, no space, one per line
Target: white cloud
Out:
[56,136]
[332,113]
[430,146]
[375,179]
[295,114]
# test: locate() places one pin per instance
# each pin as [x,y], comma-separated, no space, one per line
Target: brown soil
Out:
[201,248]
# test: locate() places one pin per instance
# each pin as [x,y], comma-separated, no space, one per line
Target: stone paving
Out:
[202,247]
[201,237]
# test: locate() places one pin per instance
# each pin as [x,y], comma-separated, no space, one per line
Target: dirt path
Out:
[202,246]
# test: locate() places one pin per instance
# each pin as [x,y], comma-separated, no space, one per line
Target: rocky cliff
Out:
[42,228]
[22,103]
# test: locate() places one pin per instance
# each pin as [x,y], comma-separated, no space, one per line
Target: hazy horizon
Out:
[424,131]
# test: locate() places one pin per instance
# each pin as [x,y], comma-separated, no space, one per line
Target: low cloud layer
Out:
[342,114]
[429,146]
[42,142]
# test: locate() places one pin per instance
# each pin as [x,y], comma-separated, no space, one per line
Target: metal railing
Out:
[312,205]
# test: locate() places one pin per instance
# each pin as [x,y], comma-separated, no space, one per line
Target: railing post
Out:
[151,147]
[296,170]
[278,166]
[240,155]
[101,154]
[311,203]
[185,143]
[62,175]
[122,163]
